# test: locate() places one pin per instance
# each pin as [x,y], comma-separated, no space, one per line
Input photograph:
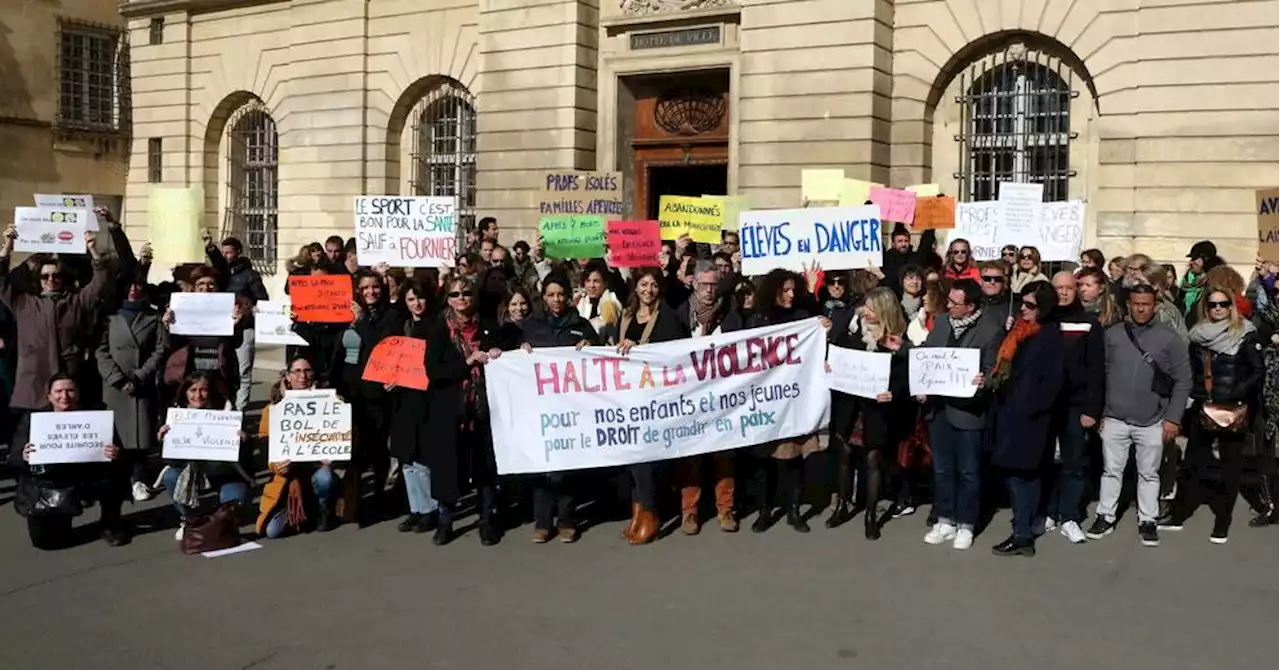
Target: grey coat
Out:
[985,335]
[133,352]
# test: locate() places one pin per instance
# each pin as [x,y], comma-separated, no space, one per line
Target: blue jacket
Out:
[1021,415]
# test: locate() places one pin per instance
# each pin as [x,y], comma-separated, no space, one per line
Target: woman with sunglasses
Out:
[835,294]
[410,442]
[960,263]
[299,496]
[1027,269]
[1027,378]
[460,452]
[1226,368]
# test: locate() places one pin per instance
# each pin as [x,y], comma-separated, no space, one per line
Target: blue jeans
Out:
[230,489]
[1064,483]
[1024,495]
[956,455]
[417,488]
[325,485]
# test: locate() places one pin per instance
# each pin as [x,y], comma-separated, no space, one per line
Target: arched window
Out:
[1015,123]
[253,155]
[443,152]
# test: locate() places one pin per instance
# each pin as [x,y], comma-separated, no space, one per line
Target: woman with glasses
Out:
[1227,367]
[410,442]
[1009,254]
[212,354]
[299,496]
[460,452]
[1027,378]
[1026,269]
[835,294]
[960,263]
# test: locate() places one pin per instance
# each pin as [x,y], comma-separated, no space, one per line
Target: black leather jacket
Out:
[1236,378]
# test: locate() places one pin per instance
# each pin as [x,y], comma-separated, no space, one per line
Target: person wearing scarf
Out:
[912,283]
[1027,379]
[299,495]
[598,304]
[460,456]
[1227,367]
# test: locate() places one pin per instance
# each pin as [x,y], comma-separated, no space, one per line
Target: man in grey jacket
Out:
[1140,412]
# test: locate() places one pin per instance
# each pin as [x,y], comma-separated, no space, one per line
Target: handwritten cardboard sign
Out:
[896,205]
[634,244]
[1268,206]
[203,313]
[859,373]
[321,298]
[1020,203]
[855,192]
[70,437]
[837,238]
[584,193]
[175,219]
[81,201]
[699,218]
[273,323]
[943,371]
[731,207]
[56,230]
[821,184]
[202,435]
[935,212]
[309,426]
[409,232]
[572,236]
[398,360]
[925,190]
[1059,230]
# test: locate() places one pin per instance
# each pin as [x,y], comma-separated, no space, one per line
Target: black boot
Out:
[872,525]
[795,495]
[840,514]
[410,523]
[326,520]
[426,523]
[795,518]
[1015,547]
[444,531]
[488,528]
[764,519]
[1266,494]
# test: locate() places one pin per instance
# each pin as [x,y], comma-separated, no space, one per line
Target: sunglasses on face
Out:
[458,294]
[1009,253]
[996,279]
[835,282]
[1220,304]
[960,252]
[46,276]
[1027,257]
[1027,304]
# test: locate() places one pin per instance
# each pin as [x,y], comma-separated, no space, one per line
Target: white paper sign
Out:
[1061,230]
[55,230]
[837,238]
[1057,230]
[310,426]
[202,313]
[203,435]
[1021,208]
[560,409]
[272,325]
[70,437]
[979,224]
[860,373]
[412,232]
[81,201]
[944,371]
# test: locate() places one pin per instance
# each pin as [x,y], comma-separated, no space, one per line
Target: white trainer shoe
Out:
[142,492]
[178,535]
[964,539]
[941,532]
[1071,531]
[1050,524]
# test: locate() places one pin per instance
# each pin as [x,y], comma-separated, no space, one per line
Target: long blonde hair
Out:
[1235,320]
[884,302]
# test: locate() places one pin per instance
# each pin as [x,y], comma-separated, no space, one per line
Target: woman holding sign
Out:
[411,438]
[51,495]
[459,343]
[215,354]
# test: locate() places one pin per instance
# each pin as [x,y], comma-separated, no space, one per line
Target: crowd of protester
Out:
[1082,368]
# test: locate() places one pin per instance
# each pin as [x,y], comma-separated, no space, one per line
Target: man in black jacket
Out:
[1077,412]
[900,254]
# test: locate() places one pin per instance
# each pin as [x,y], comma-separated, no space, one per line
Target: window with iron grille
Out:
[93,78]
[155,160]
[443,153]
[252,194]
[1015,124]
[157,31]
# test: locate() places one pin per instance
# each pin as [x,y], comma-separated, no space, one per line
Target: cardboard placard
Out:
[78,201]
[55,230]
[925,190]
[855,192]
[1268,204]
[634,244]
[821,184]
[398,360]
[571,236]
[896,205]
[309,426]
[697,217]
[732,207]
[70,437]
[837,238]
[583,193]
[406,232]
[174,217]
[203,313]
[203,435]
[935,212]
[273,323]
[321,298]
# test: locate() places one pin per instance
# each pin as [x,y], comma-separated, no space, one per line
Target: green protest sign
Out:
[570,236]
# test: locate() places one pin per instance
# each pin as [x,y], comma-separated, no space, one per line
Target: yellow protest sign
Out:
[733,205]
[855,192]
[821,185]
[925,190]
[175,215]
[698,217]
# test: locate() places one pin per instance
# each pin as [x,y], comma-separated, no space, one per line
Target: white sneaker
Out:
[142,492]
[1071,531]
[940,533]
[964,539]
[178,535]
[1050,524]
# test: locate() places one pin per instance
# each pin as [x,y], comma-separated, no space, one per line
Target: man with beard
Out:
[900,254]
[526,274]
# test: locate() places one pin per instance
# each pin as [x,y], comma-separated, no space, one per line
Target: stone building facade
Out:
[1162,114]
[64,101]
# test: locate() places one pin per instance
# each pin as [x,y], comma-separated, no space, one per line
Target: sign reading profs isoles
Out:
[598,193]
[310,426]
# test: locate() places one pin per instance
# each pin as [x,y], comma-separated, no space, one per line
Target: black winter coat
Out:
[538,331]
[1021,416]
[1084,361]
[1236,377]
[410,413]
[883,424]
[373,326]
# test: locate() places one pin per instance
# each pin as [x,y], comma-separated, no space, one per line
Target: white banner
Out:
[273,325]
[202,435]
[1057,230]
[861,373]
[944,371]
[55,230]
[561,409]
[70,437]
[310,426]
[837,238]
[406,232]
[202,313]
[80,201]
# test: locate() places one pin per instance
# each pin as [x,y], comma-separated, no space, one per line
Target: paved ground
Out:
[373,598]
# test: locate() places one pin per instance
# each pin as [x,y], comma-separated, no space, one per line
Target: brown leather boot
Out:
[630,530]
[646,527]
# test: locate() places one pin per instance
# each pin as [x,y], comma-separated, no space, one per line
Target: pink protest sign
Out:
[633,244]
[896,205]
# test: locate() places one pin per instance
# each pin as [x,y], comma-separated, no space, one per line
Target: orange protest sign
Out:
[936,212]
[398,360]
[321,298]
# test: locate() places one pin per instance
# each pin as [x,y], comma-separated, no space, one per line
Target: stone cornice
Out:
[131,9]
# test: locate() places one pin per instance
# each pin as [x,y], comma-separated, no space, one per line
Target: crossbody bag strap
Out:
[1208,375]
[1128,330]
